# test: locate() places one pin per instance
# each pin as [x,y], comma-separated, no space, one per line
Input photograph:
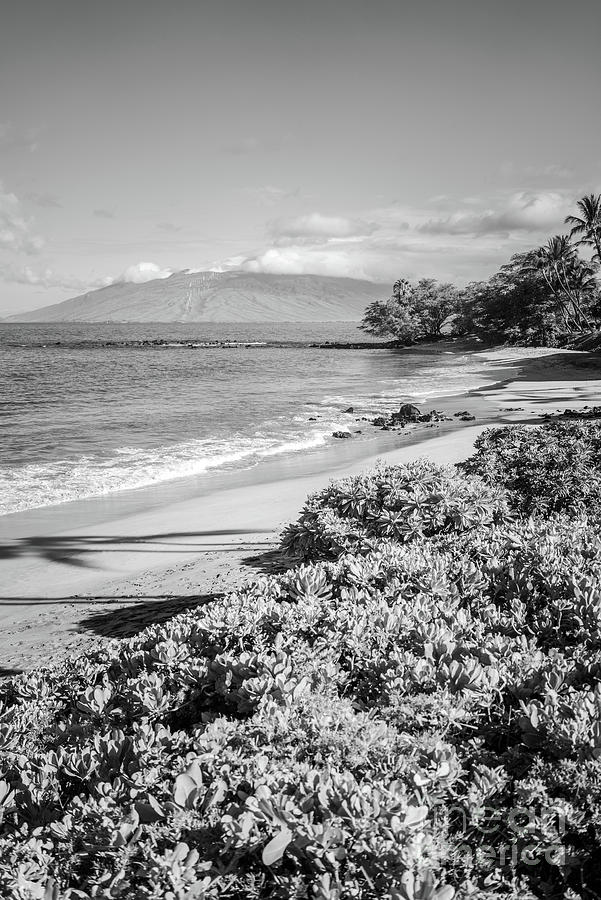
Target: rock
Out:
[409,411]
[379,421]
[350,410]
[465,412]
[468,418]
[433,416]
[341,434]
[312,419]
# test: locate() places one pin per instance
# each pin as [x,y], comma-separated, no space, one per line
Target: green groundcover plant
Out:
[550,468]
[417,719]
[399,503]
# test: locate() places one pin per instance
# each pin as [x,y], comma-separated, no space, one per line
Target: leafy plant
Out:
[419,720]
[546,469]
[392,502]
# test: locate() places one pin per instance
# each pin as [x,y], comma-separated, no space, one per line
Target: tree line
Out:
[545,295]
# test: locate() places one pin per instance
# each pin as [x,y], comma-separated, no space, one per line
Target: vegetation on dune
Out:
[414,713]
[398,503]
[551,468]
[547,295]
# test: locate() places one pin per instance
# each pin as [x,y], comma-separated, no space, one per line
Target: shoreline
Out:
[125,567]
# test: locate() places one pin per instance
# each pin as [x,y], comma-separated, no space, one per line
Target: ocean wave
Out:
[37,485]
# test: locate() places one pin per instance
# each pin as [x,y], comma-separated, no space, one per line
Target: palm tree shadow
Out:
[130,620]
[71,549]
[268,562]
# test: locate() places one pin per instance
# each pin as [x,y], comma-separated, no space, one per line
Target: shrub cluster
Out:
[420,720]
[546,469]
[397,503]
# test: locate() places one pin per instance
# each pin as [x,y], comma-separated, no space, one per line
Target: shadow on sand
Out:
[268,562]
[69,549]
[129,620]
[8,673]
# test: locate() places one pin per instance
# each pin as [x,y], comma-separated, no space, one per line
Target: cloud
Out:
[242,146]
[527,211]
[46,201]
[306,260]
[246,145]
[16,230]
[269,195]
[13,138]
[315,225]
[48,278]
[169,227]
[551,170]
[103,214]
[142,272]
[453,239]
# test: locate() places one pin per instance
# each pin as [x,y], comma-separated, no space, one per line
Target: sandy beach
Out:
[80,573]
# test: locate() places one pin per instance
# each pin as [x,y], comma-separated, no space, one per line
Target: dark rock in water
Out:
[468,418]
[349,410]
[409,411]
[341,434]
[358,431]
[312,419]
[379,421]
[464,412]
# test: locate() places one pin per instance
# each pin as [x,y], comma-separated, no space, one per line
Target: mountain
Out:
[218,297]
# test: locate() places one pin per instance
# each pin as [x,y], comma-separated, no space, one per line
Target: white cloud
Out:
[142,272]
[523,211]
[103,214]
[45,200]
[48,278]
[16,230]
[315,225]
[245,145]
[269,195]
[461,240]
[242,146]
[543,171]
[299,260]
[14,139]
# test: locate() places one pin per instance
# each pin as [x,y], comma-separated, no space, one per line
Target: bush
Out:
[364,728]
[391,502]
[546,469]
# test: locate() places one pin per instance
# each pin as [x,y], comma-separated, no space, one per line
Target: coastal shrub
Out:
[398,503]
[550,468]
[418,722]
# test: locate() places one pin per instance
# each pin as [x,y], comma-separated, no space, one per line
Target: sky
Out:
[366,138]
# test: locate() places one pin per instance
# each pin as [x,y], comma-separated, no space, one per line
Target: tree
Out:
[414,311]
[514,305]
[568,277]
[588,224]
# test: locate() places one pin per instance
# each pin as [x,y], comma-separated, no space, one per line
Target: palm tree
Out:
[588,224]
[560,267]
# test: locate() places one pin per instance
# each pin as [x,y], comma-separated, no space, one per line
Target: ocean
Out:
[85,414]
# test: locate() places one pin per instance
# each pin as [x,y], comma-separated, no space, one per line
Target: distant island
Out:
[218,297]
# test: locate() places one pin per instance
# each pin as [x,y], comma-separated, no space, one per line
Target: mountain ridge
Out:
[232,296]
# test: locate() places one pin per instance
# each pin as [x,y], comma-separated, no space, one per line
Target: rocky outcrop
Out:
[409,414]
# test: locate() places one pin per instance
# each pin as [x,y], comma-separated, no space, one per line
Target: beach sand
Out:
[81,573]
